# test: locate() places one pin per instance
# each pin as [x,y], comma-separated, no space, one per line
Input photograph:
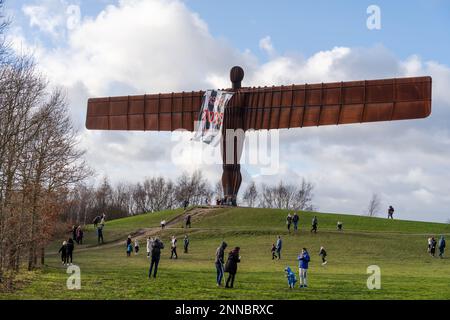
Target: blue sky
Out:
[148,46]
[408,26]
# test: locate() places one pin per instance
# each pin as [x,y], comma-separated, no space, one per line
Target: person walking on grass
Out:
[323,255]
[279,245]
[289,222]
[63,251]
[149,246]
[79,235]
[314,224]
[136,246]
[186,243]
[231,266]
[99,234]
[273,250]
[433,247]
[155,253]
[441,247]
[295,220]
[303,262]
[69,251]
[219,262]
[163,224]
[188,221]
[429,245]
[129,246]
[173,247]
[74,233]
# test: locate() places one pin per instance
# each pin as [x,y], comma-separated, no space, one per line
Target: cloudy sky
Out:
[103,48]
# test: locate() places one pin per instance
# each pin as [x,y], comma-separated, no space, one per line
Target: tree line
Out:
[39,160]
[85,202]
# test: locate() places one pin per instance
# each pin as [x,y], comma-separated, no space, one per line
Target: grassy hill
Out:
[397,247]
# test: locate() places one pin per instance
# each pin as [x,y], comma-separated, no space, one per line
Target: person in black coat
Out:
[155,253]
[231,266]
[69,250]
[63,251]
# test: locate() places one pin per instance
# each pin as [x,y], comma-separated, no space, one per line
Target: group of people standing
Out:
[432,243]
[230,266]
[154,247]
[66,251]
[77,234]
[294,220]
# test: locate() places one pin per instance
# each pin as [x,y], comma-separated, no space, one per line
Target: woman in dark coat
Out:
[231,266]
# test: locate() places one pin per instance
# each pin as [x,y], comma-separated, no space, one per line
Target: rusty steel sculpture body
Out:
[276,107]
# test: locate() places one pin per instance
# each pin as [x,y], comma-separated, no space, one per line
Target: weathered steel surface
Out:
[272,107]
[267,108]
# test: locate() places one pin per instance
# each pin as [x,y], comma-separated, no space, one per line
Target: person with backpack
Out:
[63,251]
[173,247]
[155,253]
[219,262]
[295,220]
[441,247]
[129,246]
[69,250]
[289,222]
[279,245]
[303,262]
[186,243]
[231,266]
[314,224]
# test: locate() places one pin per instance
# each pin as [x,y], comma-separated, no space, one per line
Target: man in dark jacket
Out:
[278,247]
[186,243]
[69,250]
[63,251]
[441,247]
[231,266]
[220,253]
[156,255]
[314,224]
[99,234]
[295,219]
[391,212]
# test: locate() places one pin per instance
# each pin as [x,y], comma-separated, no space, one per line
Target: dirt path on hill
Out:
[195,212]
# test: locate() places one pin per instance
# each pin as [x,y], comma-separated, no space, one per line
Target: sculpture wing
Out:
[156,112]
[336,103]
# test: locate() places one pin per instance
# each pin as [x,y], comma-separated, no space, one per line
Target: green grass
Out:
[397,247]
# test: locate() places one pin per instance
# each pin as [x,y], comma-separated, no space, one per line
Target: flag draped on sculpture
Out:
[210,119]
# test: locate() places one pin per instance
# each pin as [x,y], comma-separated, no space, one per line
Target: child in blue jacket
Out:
[303,261]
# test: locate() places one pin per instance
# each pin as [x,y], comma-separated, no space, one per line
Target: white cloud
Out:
[160,46]
[266,45]
[52,17]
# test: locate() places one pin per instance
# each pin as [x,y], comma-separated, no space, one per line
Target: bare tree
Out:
[287,196]
[251,194]
[374,206]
